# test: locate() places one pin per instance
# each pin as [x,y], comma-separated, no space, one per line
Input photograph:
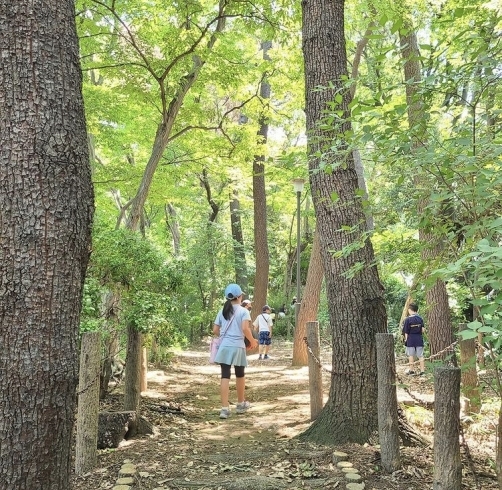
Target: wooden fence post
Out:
[447,462]
[315,372]
[86,448]
[144,370]
[470,381]
[388,428]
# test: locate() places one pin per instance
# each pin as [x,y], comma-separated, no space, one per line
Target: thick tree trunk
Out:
[355,293]
[46,206]
[439,328]
[260,207]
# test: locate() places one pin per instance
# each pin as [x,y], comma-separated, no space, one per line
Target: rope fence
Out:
[405,386]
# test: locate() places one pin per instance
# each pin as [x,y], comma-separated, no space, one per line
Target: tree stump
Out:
[113,427]
[409,436]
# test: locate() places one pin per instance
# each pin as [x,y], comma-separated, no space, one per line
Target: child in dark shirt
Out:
[413,329]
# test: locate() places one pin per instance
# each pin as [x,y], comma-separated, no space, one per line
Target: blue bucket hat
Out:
[233,291]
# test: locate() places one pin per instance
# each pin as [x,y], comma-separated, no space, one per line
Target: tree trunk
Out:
[46,207]
[110,312]
[309,305]
[470,381]
[170,112]
[173,227]
[439,328]
[355,293]
[241,271]
[260,206]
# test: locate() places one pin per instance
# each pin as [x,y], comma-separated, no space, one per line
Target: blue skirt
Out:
[234,356]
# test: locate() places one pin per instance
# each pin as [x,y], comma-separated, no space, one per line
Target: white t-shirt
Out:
[263,322]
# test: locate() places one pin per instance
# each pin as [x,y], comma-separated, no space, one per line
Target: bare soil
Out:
[193,448]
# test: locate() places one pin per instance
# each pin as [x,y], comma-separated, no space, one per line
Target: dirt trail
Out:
[193,448]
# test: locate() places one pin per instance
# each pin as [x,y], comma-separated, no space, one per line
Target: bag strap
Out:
[228,326]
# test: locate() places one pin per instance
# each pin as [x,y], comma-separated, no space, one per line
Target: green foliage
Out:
[132,267]
[136,55]
[396,294]
[90,317]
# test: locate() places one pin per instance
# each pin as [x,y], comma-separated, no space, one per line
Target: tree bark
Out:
[241,271]
[355,293]
[470,381]
[110,312]
[260,206]
[173,227]
[46,207]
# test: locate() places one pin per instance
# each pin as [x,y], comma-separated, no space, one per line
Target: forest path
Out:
[194,448]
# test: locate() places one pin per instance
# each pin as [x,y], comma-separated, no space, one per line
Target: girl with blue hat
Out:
[232,325]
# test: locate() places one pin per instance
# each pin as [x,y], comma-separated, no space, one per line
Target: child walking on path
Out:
[263,323]
[413,329]
[232,325]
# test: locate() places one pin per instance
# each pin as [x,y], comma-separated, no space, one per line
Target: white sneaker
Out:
[243,407]
[225,413]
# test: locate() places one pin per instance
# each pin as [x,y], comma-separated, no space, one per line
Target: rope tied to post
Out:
[325,369]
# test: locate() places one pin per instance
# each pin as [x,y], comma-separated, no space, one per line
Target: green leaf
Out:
[468,334]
